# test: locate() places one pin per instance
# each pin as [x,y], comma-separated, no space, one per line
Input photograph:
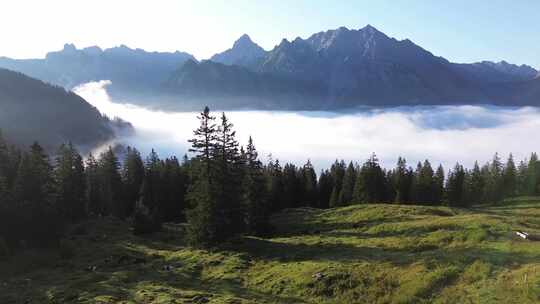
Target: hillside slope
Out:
[33,110]
[358,254]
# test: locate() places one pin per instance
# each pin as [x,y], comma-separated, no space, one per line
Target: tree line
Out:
[223,190]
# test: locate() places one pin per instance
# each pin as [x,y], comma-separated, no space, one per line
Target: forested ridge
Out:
[223,190]
[34,110]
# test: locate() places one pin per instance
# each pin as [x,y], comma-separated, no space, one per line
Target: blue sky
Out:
[461,31]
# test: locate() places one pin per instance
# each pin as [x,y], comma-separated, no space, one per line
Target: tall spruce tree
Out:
[533,176]
[402,181]
[310,185]
[111,187]
[338,172]
[152,191]
[522,178]
[494,191]
[439,185]
[34,192]
[425,184]
[326,184]
[204,218]
[175,181]
[509,178]
[255,194]
[370,183]
[274,175]
[455,187]
[132,178]
[476,185]
[71,183]
[349,180]
[93,186]
[292,188]
[228,173]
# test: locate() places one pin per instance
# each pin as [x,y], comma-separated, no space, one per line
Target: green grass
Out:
[359,254]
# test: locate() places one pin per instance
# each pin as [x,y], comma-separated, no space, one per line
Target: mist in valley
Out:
[443,134]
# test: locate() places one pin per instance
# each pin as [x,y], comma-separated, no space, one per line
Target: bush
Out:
[145,221]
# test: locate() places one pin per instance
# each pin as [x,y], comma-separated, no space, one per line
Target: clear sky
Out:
[460,30]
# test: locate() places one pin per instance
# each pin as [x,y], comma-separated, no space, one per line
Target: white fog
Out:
[441,134]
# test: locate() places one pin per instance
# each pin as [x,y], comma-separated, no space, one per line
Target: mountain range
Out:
[131,70]
[330,70]
[31,110]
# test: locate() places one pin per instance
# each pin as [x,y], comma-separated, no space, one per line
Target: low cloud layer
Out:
[441,134]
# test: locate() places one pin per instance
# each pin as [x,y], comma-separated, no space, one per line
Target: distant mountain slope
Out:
[495,72]
[244,53]
[232,86]
[366,67]
[128,69]
[330,70]
[33,110]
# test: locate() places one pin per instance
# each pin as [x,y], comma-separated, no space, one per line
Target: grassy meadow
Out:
[376,253]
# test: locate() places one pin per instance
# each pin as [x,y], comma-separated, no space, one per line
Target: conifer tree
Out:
[439,185]
[175,182]
[292,189]
[132,178]
[347,187]
[35,195]
[310,185]
[493,187]
[111,187]
[402,182]
[93,186]
[509,178]
[338,172]
[34,183]
[228,173]
[326,184]
[476,185]
[204,219]
[390,190]
[455,187]
[275,186]
[203,142]
[254,193]
[521,178]
[371,183]
[425,184]
[152,189]
[71,183]
[533,176]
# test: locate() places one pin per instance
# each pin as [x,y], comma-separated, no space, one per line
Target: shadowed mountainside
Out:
[31,109]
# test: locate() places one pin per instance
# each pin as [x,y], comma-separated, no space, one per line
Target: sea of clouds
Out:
[444,134]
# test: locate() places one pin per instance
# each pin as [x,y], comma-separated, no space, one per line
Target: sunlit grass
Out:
[374,253]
